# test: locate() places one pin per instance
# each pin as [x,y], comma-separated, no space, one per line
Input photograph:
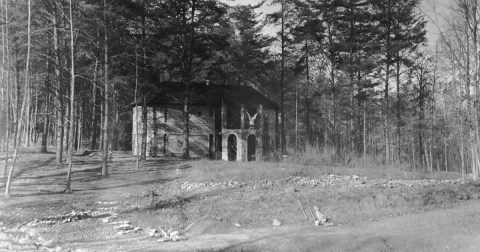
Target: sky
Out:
[429,7]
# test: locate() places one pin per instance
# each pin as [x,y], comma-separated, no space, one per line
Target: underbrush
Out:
[347,163]
[221,171]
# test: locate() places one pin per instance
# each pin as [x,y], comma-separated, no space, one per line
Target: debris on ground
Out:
[123,227]
[320,218]
[276,223]
[331,180]
[109,219]
[120,223]
[128,231]
[170,235]
[62,218]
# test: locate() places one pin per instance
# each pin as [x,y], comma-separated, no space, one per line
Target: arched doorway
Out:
[251,147]
[232,148]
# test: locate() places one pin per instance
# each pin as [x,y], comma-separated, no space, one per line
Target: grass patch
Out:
[222,171]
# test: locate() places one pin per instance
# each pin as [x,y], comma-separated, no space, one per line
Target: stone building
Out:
[235,123]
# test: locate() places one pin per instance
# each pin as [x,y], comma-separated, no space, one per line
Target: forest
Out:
[356,80]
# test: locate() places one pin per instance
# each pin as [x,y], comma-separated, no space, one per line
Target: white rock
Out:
[276,222]
[123,227]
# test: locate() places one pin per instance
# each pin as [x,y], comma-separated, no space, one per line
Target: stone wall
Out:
[165,130]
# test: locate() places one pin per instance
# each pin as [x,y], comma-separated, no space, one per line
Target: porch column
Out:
[224,134]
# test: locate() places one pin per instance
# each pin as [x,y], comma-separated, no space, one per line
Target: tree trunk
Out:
[186,125]
[93,145]
[137,149]
[308,101]
[5,48]
[105,126]
[58,93]
[19,126]
[43,148]
[283,138]
[144,130]
[72,104]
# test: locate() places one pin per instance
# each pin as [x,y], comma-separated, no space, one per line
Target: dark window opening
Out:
[251,147]
[232,148]
[165,142]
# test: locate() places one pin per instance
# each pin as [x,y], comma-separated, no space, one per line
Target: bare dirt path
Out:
[456,229]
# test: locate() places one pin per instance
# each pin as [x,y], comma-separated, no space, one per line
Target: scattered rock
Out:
[276,223]
[171,236]
[124,232]
[123,227]
[61,218]
[319,216]
[152,232]
[108,219]
[120,223]
[164,239]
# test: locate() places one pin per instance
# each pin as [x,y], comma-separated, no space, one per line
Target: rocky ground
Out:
[156,204]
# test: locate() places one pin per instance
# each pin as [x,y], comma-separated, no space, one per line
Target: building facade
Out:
[234,123]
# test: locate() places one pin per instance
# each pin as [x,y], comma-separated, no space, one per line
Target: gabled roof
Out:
[203,93]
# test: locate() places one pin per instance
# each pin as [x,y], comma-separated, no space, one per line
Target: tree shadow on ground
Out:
[87,178]
[20,171]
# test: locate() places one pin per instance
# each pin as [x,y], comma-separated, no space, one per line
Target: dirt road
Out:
[455,229]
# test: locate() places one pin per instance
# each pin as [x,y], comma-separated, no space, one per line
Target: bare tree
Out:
[72,103]
[106,93]
[22,111]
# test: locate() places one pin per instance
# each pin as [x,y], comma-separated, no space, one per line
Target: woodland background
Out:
[356,80]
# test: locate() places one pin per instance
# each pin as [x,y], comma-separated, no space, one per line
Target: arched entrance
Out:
[232,147]
[251,147]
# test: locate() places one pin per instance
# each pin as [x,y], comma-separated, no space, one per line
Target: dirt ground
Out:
[368,213]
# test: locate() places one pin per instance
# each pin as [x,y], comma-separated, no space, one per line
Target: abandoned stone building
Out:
[232,123]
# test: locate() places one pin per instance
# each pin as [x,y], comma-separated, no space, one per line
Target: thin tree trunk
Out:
[33,132]
[137,150]
[105,126]
[186,125]
[282,83]
[144,130]
[72,104]
[7,128]
[19,126]
[93,145]
[43,148]
[26,129]
[308,119]
[58,93]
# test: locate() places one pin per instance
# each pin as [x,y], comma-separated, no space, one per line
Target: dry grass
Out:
[220,171]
